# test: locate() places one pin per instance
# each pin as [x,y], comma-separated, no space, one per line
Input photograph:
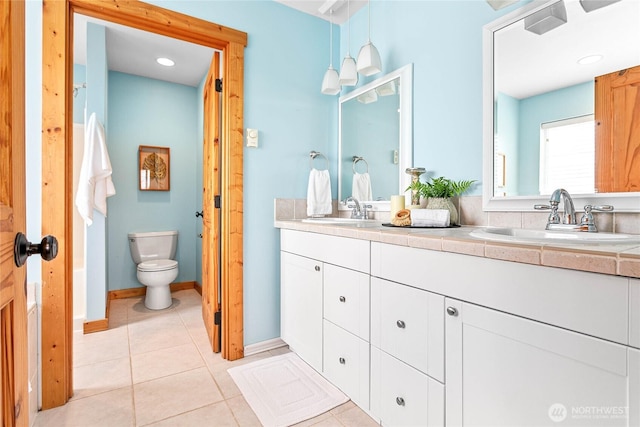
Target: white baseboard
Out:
[261,346]
[78,323]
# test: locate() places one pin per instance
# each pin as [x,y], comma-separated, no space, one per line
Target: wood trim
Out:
[142,290]
[232,203]
[57,383]
[154,19]
[57,330]
[95,326]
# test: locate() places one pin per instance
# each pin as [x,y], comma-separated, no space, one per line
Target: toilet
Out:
[154,254]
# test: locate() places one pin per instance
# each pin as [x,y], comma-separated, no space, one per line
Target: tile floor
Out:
[132,375]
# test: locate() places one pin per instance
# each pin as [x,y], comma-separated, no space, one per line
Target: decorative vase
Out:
[415,177]
[444,203]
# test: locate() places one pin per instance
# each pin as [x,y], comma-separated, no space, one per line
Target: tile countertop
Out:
[620,259]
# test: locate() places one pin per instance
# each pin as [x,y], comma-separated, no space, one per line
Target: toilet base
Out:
[158,297]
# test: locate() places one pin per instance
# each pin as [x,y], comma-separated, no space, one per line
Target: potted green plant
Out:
[439,191]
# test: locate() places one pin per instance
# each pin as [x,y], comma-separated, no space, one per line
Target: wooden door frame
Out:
[57,162]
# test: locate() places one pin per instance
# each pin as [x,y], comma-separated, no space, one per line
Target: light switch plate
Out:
[252,138]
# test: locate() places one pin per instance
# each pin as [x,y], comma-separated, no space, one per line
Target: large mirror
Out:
[375,139]
[539,99]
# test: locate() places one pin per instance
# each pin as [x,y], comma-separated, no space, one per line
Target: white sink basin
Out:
[342,221]
[549,236]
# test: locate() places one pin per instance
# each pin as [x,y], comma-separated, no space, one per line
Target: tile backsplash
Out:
[471,213]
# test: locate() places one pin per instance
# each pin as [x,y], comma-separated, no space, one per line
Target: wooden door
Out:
[211,215]
[13,305]
[617,115]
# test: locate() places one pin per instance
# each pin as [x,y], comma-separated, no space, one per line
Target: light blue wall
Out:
[443,39]
[573,101]
[144,111]
[96,233]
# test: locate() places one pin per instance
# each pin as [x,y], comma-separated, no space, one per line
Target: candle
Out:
[397,203]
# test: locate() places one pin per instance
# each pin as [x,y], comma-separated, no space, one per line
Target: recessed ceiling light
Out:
[589,59]
[166,62]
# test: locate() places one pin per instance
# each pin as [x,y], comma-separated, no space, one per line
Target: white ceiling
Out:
[135,52]
[528,64]
[316,7]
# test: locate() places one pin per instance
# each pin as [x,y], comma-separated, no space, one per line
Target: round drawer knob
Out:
[401,324]
[342,361]
[317,268]
[400,401]
[452,311]
[342,299]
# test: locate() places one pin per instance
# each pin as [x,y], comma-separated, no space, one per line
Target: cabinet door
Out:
[408,323]
[503,370]
[346,363]
[301,307]
[402,395]
[346,299]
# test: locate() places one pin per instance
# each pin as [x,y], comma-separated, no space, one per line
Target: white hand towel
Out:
[94,184]
[319,193]
[430,217]
[361,187]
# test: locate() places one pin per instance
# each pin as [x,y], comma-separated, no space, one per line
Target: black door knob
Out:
[23,249]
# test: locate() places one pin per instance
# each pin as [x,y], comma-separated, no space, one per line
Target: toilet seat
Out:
[158,265]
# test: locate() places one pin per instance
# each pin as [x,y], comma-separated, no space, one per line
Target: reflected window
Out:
[567,155]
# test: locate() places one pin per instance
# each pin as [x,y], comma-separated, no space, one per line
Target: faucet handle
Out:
[541,207]
[600,208]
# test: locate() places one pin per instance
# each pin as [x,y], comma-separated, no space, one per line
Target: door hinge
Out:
[218,85]
[217,317]
[216,201]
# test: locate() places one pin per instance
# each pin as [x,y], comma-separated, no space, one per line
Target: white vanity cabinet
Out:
[325,307]
[503,370]
[301,306]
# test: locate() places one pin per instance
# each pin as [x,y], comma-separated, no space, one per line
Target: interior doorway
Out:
[57,171]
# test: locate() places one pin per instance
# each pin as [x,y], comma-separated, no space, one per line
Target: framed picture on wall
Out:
[153,168]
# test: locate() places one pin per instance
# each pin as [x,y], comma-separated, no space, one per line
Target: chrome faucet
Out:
[568,220]
[358,211]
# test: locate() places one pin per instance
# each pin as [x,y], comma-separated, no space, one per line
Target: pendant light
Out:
[348,72]
[369,61]
[330,84]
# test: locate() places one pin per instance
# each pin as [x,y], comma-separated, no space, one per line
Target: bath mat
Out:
[283,390]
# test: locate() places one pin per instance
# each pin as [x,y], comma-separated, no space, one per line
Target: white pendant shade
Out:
[348,72]
[330,83]
[369,61]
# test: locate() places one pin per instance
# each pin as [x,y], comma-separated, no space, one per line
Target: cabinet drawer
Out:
[403,396]
[591,303]
[342,251]
[408,323]
[346,363]
[346,299]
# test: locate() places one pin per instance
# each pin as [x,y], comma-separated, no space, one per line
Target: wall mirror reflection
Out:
[375,139]
[550,103]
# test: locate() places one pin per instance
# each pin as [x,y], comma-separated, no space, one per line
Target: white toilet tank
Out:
[153,245]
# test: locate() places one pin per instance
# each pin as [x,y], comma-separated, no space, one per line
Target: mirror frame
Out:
[622,202]
[405,138]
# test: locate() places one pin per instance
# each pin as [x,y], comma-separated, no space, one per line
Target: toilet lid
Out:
[157,265]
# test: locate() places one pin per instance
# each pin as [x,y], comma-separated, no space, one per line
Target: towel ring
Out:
[357,159]
[313,155]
